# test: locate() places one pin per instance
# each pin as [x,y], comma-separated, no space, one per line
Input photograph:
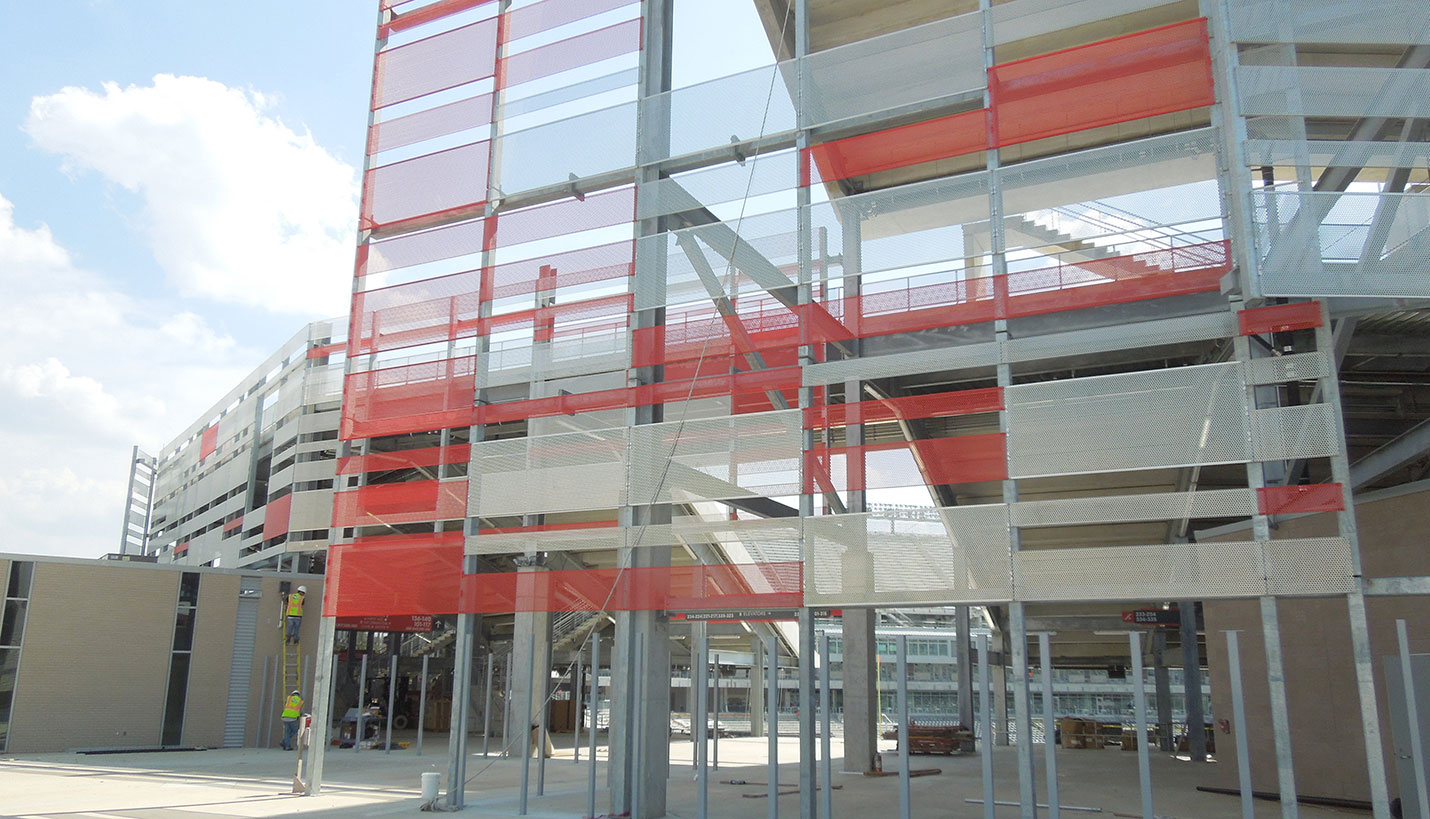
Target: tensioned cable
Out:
[685,409]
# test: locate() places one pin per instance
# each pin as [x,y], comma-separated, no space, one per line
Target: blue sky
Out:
[140,142]
[178,194]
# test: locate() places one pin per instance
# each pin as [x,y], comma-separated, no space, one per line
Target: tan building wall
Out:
[1320,678]
[206,705]
[94,667]
[94,664]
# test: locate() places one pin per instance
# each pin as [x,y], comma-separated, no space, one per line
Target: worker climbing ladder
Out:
[292,662]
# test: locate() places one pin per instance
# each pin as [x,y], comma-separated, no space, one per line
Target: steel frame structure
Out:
[606,355]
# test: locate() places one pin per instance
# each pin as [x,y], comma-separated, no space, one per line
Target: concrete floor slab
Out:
[255,783]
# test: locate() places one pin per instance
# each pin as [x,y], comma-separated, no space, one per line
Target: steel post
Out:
[1239,726]
[1139,700]
[902,704]
[1412,714]
[715,736]
[826,729]
[422,703]
[1027,766]
[391,693]
[772,717]
[1050,728]
[699,734]
[808,772]
[362,695]
[487,703]
[1280,710]
[576,708]
[595,708]
[323,675]
[985,704]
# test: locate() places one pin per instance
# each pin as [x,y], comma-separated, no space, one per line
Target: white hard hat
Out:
[296,693]
[303,589]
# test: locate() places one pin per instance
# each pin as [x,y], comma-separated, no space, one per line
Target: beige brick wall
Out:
[1326,739]
[95,661]
[207,702]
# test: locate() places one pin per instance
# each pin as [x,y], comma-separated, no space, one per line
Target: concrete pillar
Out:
[531,662]
[861,692]
[757,686]
[1163,693]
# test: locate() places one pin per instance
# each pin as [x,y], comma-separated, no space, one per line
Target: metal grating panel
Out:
[864,559]
[1344,244]
[1284,433]
[1310,566]
[548,473]
[1022,19]
[716,458]
[983,354]
[1178,417]
[1394,22]
[925,62]
[1179,330]
[1129,508]
[1325,91]
[1280,369]
[1168,572]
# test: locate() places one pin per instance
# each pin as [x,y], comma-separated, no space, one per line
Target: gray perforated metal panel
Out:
[1181,571]
[1175,417]
[1131,508]
[863,559]
[1306,431]
[1309,566]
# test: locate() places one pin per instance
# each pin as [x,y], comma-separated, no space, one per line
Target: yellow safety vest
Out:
[292,707]
[295,604]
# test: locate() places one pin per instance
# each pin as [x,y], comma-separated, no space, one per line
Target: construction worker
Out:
[295,613]
[292,709]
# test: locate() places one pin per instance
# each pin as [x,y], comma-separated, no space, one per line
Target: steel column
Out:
[1139,699]
[699,734]
[422,703]
[391,692]
[323,674]
[808,772]
[772,717]
[826,720]
[905,791]
[985,703]
[1412,714]
[595,709]
[1050,732]
[1280,711]
[362,695]
[1027,767]
[715,737]
[576,710]
[487,702]
[1239,725]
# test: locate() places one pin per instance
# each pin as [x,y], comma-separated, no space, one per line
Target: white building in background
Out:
[250,482]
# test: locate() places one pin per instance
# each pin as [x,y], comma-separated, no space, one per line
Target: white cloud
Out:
[237,206]
[86,372]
